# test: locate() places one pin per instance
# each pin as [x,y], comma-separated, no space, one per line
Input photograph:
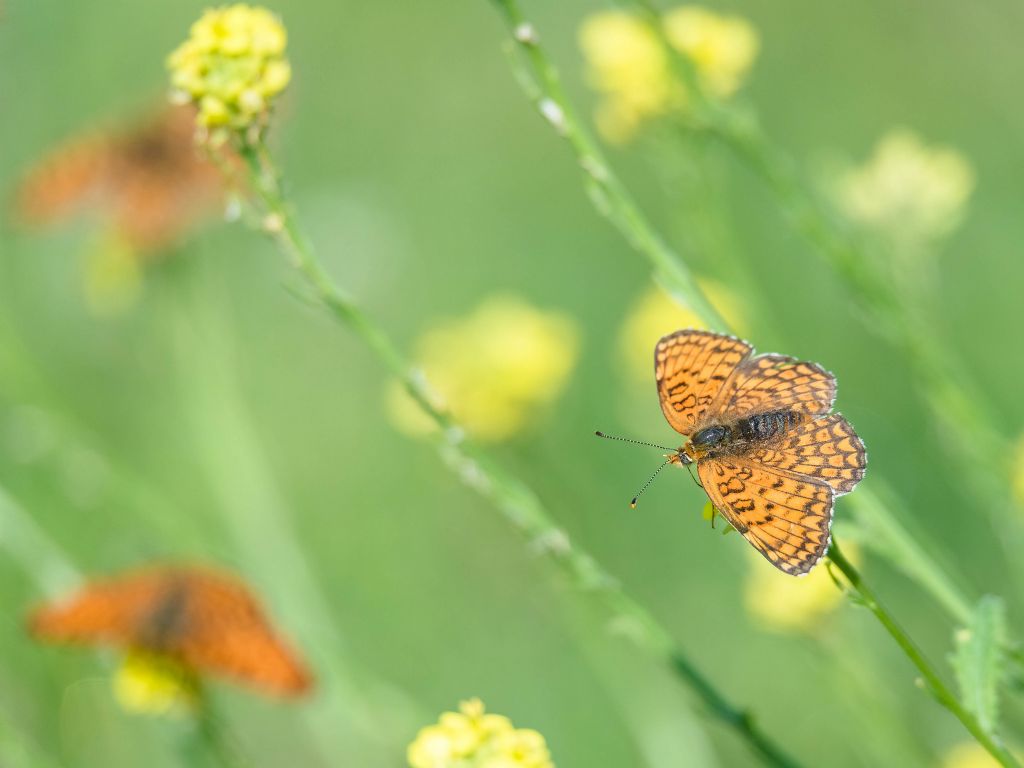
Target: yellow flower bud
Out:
[494,369]
[150,684]
[231,66]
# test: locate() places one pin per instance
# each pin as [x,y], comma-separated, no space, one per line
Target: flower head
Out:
[907,191]
[153,684]
[629,67]
[470,738]
[655,313]
[493,369]
[232,66]
[785,604]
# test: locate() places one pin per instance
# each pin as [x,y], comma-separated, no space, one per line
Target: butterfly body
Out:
[738,437]
[769,454]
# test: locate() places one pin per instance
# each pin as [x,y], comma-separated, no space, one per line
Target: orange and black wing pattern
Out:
[826,449]
[691,368]
[786,518]
[776,382]
[776,487]
[208,621]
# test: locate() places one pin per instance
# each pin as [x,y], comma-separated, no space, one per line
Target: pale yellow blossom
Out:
[655,314]
[968,754]
[786,604]
[907,190]
[629,66]
[471,738]
[113,276]
[232,66]
[723,48]
[493,369]
[150,684]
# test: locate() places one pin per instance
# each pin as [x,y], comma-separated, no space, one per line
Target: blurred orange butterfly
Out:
[770,456]
[148,180]
[207,621]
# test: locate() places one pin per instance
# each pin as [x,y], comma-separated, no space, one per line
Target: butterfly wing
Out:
[826,448]
[691,368]
[786,519]
[111,612]
[776,382]
[224,630]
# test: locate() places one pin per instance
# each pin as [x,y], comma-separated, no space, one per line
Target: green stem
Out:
[931,678]
[519,505]
[609,195]
[217,742]
[548,91]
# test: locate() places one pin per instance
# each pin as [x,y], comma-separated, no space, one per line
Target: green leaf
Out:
[978,660]
[709,511]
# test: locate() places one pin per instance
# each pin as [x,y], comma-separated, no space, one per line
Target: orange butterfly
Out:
[207,621]
[770,456]
[148,179]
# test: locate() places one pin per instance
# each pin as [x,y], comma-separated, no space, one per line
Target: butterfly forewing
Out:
[225,630]
[691,368]
[785,518]
[104,612]
[776,382]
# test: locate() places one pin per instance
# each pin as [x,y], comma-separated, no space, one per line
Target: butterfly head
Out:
[681,456]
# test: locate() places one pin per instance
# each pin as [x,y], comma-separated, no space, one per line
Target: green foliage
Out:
[979,660]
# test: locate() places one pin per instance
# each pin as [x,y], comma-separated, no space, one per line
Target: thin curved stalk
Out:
[933,683]
[521,508]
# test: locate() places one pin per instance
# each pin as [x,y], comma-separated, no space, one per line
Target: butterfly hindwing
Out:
[826,448]
[786,519]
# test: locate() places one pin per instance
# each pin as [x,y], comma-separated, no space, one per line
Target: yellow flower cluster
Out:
[232,66]
[907,190]
[784,604]
[470,738]
[493,369]
[630,67]
[656,313]
[150,684]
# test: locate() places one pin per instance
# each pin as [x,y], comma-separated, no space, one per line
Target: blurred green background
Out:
[219,407]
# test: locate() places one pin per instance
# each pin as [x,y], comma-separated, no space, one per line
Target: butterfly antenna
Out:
[650,480]
[635,442]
